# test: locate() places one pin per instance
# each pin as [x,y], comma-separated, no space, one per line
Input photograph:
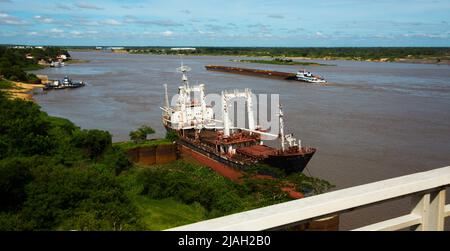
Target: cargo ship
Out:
[301,75]
[199,130]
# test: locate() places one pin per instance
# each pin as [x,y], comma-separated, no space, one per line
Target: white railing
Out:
[428,208]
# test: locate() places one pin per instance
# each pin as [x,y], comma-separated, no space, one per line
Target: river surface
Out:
[371,122]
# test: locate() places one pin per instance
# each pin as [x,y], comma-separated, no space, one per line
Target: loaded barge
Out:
[199,130]
[301,75]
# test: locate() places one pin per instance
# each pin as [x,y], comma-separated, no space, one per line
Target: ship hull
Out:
[253,72]
[290,163]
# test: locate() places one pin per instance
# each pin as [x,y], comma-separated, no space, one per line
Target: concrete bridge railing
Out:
[428,206]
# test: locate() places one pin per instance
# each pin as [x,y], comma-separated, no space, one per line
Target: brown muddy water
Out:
[373,121]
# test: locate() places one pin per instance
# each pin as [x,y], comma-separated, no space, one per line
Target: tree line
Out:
[362,53]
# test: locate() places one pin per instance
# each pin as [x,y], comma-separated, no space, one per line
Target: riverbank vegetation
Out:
[437,54]
[15,62]
[57,176]
[278,61]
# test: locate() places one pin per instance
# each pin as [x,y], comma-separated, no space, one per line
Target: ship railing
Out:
[426,190]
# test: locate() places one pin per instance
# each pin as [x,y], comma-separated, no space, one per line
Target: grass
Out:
[278,62]
[127,145]
[159,214]
[167,213]
[5,84]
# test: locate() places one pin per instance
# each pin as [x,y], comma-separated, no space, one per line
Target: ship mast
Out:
[166,97]
[280,116]
[184,92]
[183,69]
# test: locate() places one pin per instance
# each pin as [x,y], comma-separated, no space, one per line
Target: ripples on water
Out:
[372,121]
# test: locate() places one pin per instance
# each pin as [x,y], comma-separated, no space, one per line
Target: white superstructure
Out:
[189,112]
[307,76]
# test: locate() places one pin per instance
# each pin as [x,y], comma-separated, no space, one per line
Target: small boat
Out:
[57,64]
[307,76]
[65,83]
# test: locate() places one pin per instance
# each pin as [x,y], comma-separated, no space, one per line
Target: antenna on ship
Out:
[183,69]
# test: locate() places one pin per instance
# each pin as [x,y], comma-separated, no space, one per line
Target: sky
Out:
[282,23]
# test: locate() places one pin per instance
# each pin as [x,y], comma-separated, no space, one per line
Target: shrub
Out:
[141,133]
[94,142]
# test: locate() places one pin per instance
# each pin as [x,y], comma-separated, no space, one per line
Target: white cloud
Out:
[10,20]
[167,33]
[32,33]
[55,30]
[111,22]
[45,20]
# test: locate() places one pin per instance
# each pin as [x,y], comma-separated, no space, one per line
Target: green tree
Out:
[14,176]
[172,136]
[141,133]
[94,142]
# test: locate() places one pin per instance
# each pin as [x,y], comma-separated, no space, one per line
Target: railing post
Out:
[437,211]
[431,208]
[421,204]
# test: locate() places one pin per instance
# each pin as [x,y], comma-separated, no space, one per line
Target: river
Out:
[371,122]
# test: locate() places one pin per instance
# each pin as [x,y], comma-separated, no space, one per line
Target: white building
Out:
[182,49]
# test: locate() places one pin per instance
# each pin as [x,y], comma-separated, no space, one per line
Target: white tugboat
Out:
[307,76]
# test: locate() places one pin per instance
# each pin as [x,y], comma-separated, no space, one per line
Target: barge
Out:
[301,75]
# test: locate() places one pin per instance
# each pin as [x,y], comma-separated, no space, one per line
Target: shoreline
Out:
[22,90]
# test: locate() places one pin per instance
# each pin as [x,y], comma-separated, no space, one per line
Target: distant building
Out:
[29,56]
[98,47]
[182,49]
[62,57]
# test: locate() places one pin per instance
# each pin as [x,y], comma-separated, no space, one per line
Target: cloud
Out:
[186,12]
[216,27]
[425,35]
[276,16]
[32,33]
[167,33]
[56,30]
[111,22]
[63,6]
[88,6]
[45,20]
[5,1]
[10,20]
[261,28]
[84,22]
[163,23]
[76,33]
